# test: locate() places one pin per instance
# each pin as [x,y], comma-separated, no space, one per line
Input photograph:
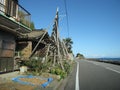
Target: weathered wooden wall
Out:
[25,48]
[7,49]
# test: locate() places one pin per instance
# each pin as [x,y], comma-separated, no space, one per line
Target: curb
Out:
[58,85]
[63,82]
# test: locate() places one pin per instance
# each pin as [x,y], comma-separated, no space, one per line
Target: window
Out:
[2,6]
[14,11]
[12,8]
[8,7]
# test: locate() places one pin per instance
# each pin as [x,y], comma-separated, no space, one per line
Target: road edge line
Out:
[77,78]
[112,70]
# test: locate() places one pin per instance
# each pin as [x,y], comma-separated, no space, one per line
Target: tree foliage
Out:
[80,56]
[68,42]
[32,26]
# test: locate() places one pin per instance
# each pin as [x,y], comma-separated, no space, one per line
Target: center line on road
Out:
[112,70]
[77,78]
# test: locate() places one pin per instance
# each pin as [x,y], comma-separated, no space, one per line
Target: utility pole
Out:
[57,40]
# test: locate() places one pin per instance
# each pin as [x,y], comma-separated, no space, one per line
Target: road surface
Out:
[91,75]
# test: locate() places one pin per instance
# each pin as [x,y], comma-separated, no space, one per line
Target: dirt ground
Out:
[6,82]
[15,86]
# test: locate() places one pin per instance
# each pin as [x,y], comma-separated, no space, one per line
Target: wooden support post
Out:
[65,49]
[55,35]
[54,58]
[47,52]
[38,44]
[64,54]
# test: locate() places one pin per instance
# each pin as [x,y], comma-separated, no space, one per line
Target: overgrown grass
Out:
[37,67]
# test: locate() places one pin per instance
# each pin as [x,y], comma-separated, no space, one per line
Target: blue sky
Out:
[94,25]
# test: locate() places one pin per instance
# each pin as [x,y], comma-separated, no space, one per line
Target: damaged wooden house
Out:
[17,39]
[14,23]
[32,45]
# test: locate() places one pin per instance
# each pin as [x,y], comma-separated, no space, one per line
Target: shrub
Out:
[36,66]
[59,71]
[67,67]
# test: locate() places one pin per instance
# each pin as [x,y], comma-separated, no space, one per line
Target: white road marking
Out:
[77,77]
[95,63]
[112,70]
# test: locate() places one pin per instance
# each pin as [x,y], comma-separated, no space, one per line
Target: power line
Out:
[66,17]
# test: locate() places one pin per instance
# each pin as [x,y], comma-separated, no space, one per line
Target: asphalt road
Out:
[94,76]
[98,76]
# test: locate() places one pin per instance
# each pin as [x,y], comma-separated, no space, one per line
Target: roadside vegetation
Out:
[80,56]
[68,43]
[37,67]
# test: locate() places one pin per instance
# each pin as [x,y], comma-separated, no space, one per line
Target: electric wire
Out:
[66,16]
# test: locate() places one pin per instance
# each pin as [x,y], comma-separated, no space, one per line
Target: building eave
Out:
[13,24]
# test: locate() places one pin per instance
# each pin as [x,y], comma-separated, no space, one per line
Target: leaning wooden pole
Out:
[57,41]
[47,52]
[65,49]
[54,57]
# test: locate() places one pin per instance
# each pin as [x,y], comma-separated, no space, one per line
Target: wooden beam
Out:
[47,51]
[38,44]
[65,48]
